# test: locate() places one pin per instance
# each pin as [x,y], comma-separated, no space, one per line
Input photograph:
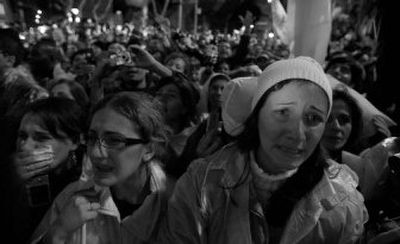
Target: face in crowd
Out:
[125,134]
[177,64]
[291,123]
[53,125]
[171,98]
[114,159]
[224,50]
[215,92]
[338,127]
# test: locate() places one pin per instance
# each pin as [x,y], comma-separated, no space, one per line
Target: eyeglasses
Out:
[112,141]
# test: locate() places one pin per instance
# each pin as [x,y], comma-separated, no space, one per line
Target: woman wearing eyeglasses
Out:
[125,145]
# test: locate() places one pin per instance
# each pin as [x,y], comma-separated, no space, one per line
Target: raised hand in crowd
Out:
[142,58]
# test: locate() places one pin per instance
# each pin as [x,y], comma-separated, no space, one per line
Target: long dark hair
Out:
[296,187]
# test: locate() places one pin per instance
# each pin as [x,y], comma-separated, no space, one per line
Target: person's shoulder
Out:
[343,195]
[350,156]
[342,204]
[223,160]
[355,162]
[341,174]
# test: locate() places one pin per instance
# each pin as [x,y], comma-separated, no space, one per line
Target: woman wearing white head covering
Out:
[273,185]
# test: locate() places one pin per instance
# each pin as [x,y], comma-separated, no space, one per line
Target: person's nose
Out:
[297,131]
[97,151]
[27,145]
[219,91]
[334,123]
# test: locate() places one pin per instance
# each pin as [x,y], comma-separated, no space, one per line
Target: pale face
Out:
[291,123]
[339,126]
[32,136]
[62,90]
[112,166]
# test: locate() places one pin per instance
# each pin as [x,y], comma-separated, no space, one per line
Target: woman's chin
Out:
[103,181]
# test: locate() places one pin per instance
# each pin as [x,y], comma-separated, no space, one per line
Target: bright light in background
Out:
[271,35]
[22,37]
[78,20]
[37,21]
[39,11]
[251,26]
[37,16]
[269,1]
[118,27]
[75,11]
[42,29]
[145,33]
[70,19]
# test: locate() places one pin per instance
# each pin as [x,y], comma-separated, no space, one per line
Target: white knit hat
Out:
[241,95]
[296,68]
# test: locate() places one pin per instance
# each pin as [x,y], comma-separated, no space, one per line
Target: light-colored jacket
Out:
[369,167]
[204,207]
[108,227]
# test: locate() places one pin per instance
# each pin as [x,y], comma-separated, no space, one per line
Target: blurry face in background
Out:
[5,62]
[339,126]
[223,68]
[290,124]
[177,64]
[132,76]
[341,72]
[71,49]
[61,90]
[211,50]
[78,61]
[171,99]
[215,93]
[224,50]
[33,136]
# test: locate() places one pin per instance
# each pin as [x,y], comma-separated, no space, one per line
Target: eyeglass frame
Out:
[127,142]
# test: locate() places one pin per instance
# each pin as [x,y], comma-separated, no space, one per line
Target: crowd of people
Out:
[170,137]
